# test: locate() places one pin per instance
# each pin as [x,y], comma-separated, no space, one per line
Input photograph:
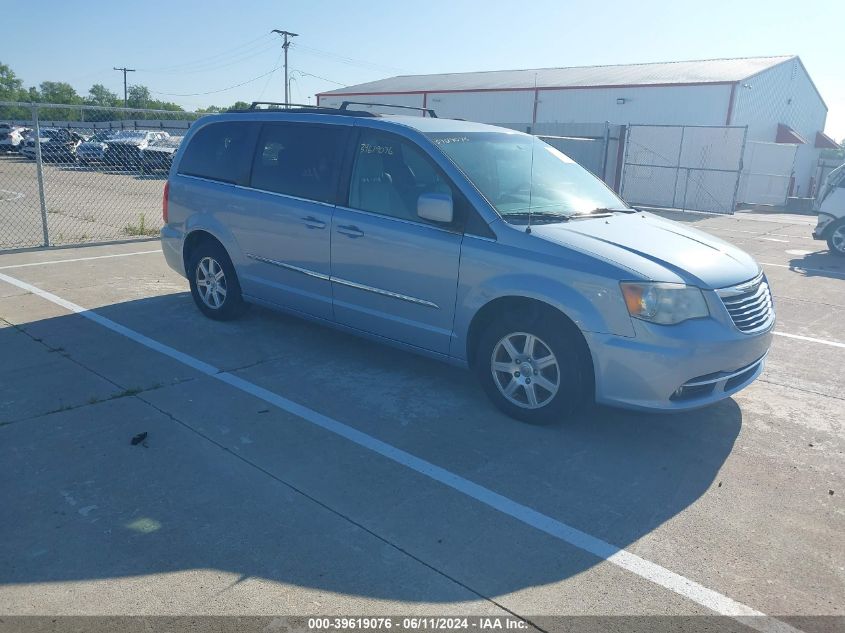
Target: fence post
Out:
[739,171]
[686,188]
[678,169]
[604,151]
[39,170]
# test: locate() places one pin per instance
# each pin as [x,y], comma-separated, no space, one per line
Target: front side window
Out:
[220,151]
[298,160]
[521,175]
[390,174]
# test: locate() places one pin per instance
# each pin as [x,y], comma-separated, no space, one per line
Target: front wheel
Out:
[836,239]
[536,370]
[214,283]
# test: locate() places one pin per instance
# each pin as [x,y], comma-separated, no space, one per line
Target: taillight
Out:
[164,201]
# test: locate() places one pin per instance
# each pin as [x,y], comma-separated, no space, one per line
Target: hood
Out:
[161,149]
[658,249]
[134,142]
[93,145]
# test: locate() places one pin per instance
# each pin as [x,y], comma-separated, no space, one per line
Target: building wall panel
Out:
[784,94]
[672,105]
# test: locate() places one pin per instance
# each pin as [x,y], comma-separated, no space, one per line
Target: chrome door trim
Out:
[344,282]
[296,269]
[386,293]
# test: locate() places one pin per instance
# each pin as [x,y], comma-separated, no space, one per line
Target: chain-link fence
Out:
[594,146]
[683,166]
[77,174]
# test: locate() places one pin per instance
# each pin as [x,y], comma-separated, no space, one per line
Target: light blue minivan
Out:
[470,243]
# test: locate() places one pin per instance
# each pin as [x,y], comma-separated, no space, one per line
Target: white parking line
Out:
[643,568]
[801,269]
[16,195]
[77,259]
[811,339]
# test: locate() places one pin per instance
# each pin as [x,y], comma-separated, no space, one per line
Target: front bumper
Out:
[825,220]
[676,368]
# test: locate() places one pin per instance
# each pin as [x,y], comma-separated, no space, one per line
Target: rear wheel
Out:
[836,239]
[535,369]
[214,283]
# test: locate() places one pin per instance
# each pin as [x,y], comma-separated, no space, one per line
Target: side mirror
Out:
[436,207]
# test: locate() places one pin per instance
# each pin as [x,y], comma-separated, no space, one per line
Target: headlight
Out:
[663,303]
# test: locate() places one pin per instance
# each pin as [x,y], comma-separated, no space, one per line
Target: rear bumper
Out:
[171,245]
[676,368]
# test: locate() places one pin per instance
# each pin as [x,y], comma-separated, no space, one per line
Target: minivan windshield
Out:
[521,175]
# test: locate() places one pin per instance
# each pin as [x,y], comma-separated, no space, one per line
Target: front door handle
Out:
[313,223]
[350,230]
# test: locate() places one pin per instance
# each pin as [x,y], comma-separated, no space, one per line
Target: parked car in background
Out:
[477,245]
[125,146]
[12,137]
[830,205]
[95,149]
[158,156]
[57,145]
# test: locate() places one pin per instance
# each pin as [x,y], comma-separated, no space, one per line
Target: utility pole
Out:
[124,71]
[286,45]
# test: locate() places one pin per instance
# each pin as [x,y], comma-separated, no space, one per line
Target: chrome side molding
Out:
[344,282]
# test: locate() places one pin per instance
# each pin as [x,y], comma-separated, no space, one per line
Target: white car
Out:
[11,137]
[830,205]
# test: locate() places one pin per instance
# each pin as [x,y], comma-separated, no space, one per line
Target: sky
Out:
[193,51]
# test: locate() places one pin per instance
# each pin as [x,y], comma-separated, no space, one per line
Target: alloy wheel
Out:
[525,370]
[211,282]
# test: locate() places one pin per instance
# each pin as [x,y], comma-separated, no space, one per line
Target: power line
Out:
[202,60]
[331,81]
[211,92]
[267,83]
[350,61]
[206,67]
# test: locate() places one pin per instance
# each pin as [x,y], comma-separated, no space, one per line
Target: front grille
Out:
[749,304]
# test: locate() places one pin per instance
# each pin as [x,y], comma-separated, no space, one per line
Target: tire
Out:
[836,238]
[570,374]
[221,301]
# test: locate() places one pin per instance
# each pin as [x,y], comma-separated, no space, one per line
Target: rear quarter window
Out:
[221,151]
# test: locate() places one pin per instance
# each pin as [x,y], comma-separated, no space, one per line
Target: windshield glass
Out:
[130,134]
[518,173]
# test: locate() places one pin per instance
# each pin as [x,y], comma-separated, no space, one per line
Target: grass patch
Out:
[140,229]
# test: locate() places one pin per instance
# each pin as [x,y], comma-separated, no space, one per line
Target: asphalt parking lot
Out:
[288,468]
[84,204]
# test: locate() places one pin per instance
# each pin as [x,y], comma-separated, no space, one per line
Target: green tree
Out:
[11,87]
[99,95]
[138,97]
[59,92]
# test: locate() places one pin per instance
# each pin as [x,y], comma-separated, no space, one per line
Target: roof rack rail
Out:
[286,106]
[431,113]
[302,108]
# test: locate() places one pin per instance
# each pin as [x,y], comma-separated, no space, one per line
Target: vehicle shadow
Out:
[819,264]
[89,505]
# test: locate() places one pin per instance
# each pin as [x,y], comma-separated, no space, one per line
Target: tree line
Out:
[137,96]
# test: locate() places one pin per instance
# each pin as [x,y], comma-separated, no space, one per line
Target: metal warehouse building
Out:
[765,115]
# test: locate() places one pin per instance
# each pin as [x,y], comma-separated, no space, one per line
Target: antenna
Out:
[531,174]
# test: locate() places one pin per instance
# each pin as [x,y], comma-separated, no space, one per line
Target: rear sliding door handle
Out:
[350,230]
[313,223]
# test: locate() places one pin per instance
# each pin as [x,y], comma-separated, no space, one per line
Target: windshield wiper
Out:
[538,215]
[602,212]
